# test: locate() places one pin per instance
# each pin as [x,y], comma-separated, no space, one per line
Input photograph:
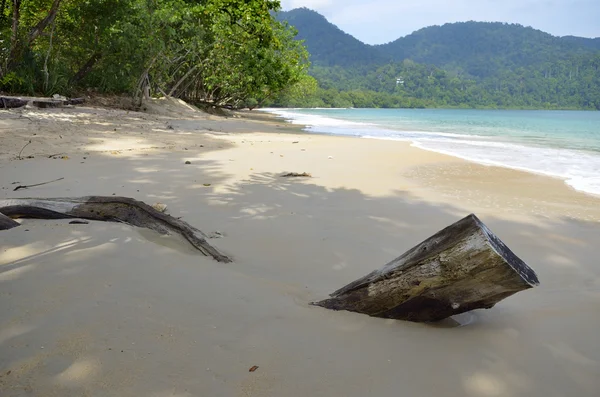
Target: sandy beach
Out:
[109,310]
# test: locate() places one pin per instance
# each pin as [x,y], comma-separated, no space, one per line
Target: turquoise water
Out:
[564,144]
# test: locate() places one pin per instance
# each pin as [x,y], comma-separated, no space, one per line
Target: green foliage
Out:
[220,52]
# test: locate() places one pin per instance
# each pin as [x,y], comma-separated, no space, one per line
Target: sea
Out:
[562,144]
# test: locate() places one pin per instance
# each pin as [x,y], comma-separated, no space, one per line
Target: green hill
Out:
[327,44]
[484,49]
[472,64]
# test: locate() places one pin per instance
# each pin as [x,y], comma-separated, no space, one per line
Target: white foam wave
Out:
[579,169]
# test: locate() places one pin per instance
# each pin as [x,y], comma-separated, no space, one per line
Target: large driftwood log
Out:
[110,209]
[463,267]
[11,102]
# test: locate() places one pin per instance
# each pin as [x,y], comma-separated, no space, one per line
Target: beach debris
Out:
[330,157]
[23,148]
[57,101]
[188,162]
[253,368]
[296,142]
[160,207]
[296,174]
[76,101]
[206,184]
[11,102]
[462,267]
[108,209]
[36,184]
[216,234]
[79,222]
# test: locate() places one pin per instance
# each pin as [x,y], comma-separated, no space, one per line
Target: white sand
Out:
[107,310]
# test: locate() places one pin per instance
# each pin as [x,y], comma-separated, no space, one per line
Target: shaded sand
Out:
[109,310]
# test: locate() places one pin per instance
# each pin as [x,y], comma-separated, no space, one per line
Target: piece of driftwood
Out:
[11,102]
[463,267]
[48,103]
[296,175]
[56,102]
[76,101]
[109,209]
[7,223]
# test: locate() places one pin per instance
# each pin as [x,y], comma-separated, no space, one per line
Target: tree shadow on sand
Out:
[294,241]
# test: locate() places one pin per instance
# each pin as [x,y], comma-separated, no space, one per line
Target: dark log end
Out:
[527,274]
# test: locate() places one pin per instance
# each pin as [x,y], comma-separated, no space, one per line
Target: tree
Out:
[218,52]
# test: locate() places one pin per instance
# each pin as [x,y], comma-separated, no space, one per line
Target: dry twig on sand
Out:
[37,184]
[296,174]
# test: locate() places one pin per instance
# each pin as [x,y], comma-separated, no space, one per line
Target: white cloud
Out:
[379,21]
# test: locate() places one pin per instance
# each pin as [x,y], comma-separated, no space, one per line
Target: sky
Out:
[382,21]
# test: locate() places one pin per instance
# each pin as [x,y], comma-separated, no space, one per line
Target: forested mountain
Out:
[472,64]
[327,44]
[484,49]
[583,42]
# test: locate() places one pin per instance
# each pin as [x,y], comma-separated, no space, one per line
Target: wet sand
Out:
[106,309]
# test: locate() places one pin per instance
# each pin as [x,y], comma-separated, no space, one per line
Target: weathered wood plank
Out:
[463,267]
[109,209]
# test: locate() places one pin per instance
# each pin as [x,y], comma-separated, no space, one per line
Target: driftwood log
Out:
[14,102]
[76,101]
[11,102]
[109,209]
[463,267]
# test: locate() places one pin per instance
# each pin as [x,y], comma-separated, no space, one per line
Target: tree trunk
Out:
[14,36]
[181,80]
[46,72]
[109,209]
[461,268]
[43,24]
[86,68]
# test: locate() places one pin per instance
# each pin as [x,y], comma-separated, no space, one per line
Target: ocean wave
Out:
[579,169]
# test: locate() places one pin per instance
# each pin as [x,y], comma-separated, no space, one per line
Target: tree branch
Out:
[43,24]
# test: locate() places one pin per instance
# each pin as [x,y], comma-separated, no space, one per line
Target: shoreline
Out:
[567,180]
